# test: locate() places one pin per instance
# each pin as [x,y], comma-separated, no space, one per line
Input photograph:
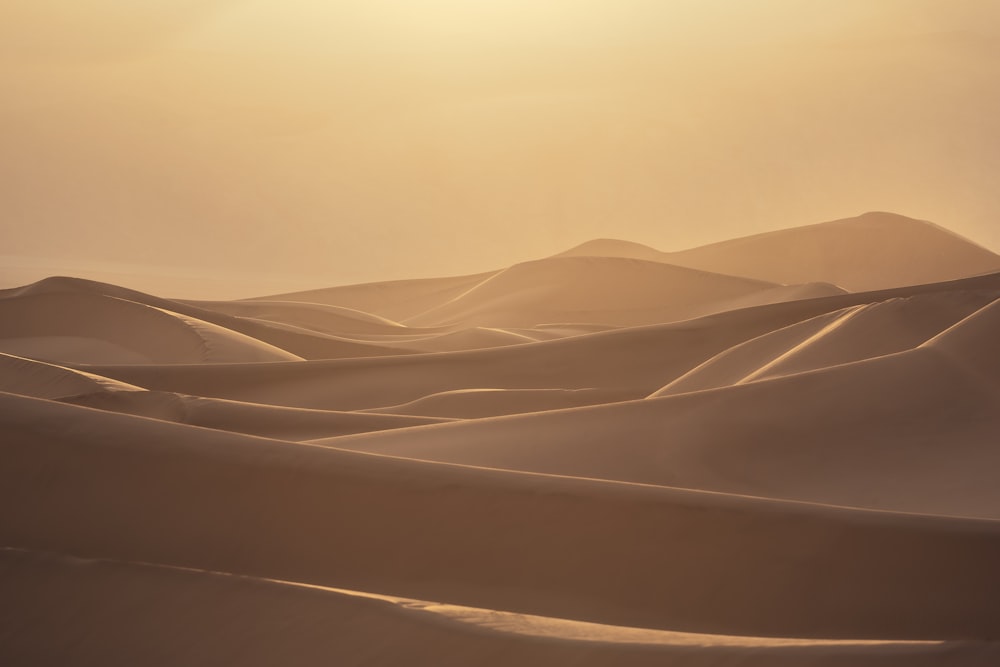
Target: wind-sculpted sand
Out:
[615,456]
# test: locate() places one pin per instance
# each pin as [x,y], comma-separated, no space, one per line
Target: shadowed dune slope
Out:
[913,431]
[972,343]
[851,334]
[614,456]
[250,418]
[476,338]
[100,612]
[479,403]
[92,484]
[639,359]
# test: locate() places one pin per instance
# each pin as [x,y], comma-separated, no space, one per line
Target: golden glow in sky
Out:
[356,140]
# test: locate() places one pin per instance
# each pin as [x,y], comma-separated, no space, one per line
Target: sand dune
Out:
[565,547]
[239,417]
[395,299]
[93,328]
[601,290]
[932,451]
[335,320]
[851,334]
[615,456]
[869,252]
[29,377]
[475,338]
[291,342]
[639,360]
[88,612]
[485,402]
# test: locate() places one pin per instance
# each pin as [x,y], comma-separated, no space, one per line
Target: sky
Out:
[241,147]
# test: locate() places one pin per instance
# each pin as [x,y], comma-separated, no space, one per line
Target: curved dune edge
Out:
[485,402]
[842,336]
[63,609]
[899,432]
[114,314]
[529,479]
[640,359]
[502,622]
[241,417]
[39,379]
[606,552]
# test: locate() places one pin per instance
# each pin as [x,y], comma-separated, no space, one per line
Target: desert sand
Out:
[778,450]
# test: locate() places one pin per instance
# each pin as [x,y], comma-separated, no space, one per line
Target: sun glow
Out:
[363,123]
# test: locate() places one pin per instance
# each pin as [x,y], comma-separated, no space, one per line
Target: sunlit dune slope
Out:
[29,377]
[89,327]
[88,321]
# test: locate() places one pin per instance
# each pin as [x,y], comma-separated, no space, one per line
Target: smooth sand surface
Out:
[98,612]
[876,250]
[778,450]
[30,377]
[601,551]
[602,290]
[241,417]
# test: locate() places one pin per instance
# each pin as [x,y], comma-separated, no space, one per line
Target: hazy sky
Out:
[311,142]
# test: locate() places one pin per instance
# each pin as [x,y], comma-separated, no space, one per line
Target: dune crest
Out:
[775,451]
[872,251]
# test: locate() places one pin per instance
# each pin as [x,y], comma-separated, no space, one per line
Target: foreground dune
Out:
[733,455]
[566,547]
[88,612]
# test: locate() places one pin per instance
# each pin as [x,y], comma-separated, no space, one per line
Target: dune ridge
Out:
[284,489]
[872,251]
[777,450]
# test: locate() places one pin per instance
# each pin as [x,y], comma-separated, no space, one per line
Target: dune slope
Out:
[554,546]
[779,450]
[872,251]
[103,612]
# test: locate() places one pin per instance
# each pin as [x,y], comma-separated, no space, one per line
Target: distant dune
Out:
[779,450]
[868,252]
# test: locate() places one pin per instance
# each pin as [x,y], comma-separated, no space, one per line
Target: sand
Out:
[778,450]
